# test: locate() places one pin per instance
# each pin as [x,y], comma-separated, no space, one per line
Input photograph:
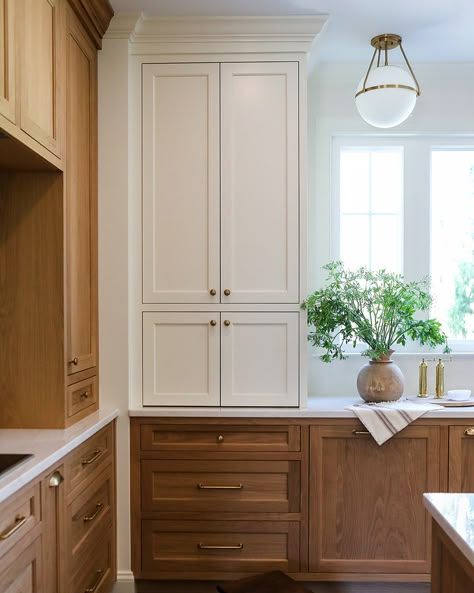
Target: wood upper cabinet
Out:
[220,183]
[39,41]
[366,509]
[461,458]
[81,198]
[7,59]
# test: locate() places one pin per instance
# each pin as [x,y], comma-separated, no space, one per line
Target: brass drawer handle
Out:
[19,522]
[100,574]
[56,480]
[97,453]
[220,438]
[74,361]
[84,395]
[469,432]
[205,547]
[202,486]
[98,508]
[361,432]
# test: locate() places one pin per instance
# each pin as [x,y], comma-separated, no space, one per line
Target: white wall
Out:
[445,106]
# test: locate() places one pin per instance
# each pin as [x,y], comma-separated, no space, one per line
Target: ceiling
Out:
[432,30]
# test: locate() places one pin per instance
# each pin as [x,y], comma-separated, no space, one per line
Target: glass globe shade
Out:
[386,108]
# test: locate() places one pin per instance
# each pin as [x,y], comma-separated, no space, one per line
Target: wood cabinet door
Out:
[81,199]
[21,571]
[366,509]
[461,458]
[181,183]
[7,59]
[260,168]
[40,52]
[181,359]
[259,362]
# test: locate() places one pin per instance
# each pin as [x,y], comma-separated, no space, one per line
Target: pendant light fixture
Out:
[386,95]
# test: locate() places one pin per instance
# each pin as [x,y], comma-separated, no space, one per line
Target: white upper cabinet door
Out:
[259,168]
[181,183]
[259,364]
[181,359]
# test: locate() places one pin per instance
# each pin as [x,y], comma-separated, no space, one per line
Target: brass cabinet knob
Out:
[220,439]
[84,395]
[227,292]
[74,361]
[213,292]
[213,322]
[55,479]
[226,322]
[469,432]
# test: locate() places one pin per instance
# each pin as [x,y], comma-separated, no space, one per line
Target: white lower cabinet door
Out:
[181,359]
[260,363]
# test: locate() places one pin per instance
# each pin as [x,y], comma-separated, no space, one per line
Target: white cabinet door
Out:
[260,189]
[259,359]
[181,359]
[181,183]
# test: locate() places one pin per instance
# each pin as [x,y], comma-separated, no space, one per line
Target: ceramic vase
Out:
[380,380]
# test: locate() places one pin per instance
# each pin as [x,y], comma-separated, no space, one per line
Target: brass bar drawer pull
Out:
[95,586]
[98,508]
[361,432]
[469,432]
[202,486]
[205,547]
[19,522]
[97,453]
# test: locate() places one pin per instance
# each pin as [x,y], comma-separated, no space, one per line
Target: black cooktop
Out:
[10,460]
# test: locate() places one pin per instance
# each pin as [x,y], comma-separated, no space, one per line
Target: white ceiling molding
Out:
[216,34]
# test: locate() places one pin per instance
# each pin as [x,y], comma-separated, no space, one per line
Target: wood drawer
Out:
[155,437]
[81,396]
[21,571]
[220,486]
[88,459]
[219,546]
[97,573]
[18,516]
[89,516]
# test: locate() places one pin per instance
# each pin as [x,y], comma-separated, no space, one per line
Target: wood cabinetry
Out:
[366,499]
[7,63]
[48,225]
[461,458]
[230,359]
[217,499]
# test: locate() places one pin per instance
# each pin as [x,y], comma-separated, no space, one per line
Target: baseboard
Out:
[125,582]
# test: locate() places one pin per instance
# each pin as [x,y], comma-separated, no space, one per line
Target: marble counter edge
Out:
[431,502]
[48,447]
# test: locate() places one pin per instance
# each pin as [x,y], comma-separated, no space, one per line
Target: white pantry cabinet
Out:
[220,183]
[227,358]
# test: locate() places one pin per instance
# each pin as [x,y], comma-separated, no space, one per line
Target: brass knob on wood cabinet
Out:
[213,292]
[55,479]
[226,322]
[213,322]
[74,361]
[469,432]
[84,395]
[227,292]
[220,439]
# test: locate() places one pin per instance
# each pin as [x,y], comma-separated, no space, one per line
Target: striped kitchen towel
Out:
[385,419]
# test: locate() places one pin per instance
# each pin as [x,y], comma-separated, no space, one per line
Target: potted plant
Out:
[377,308]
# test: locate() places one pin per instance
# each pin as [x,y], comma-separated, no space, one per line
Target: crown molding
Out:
[216,34]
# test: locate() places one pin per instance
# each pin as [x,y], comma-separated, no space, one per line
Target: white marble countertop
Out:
[317,407]
[47,446]
[454,513]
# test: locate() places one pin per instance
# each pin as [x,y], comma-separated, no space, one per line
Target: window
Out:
[406,204]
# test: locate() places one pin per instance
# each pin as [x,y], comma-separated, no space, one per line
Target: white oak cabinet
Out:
[7,63]
[227,358]
[220,183]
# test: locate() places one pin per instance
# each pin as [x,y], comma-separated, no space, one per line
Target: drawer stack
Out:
[216,499]
[90,514]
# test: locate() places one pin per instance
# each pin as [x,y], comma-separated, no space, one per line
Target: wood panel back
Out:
[32,387]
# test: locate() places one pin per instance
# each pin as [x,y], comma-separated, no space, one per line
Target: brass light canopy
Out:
[387,94]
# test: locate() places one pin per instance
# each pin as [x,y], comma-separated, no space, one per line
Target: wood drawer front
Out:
[18,516]
[92,455]
[21,570]
[89,514]
[219,546]
[219,438]
[81,395]
[96,574]
[221,486]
